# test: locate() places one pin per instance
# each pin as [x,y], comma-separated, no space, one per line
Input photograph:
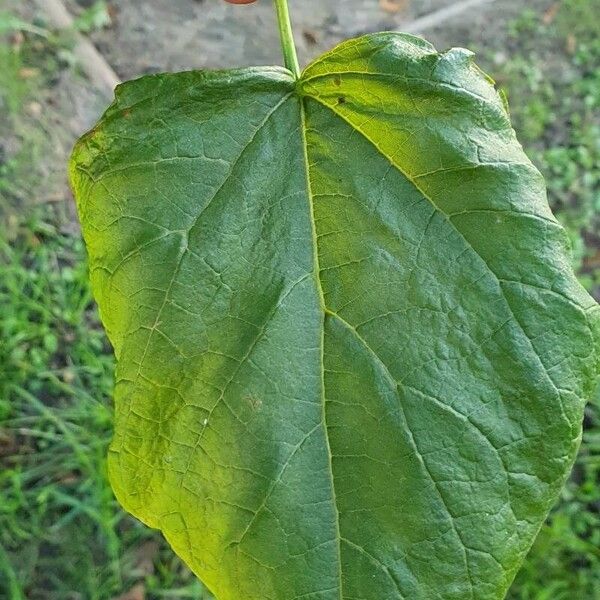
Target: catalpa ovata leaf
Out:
[352,354]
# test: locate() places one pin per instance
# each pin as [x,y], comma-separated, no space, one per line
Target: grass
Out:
[552,79]
[62,534]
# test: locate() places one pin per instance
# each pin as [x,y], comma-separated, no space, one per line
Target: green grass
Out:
[552,80]
[62,534]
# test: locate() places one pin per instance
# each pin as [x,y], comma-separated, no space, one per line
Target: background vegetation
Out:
[62,535]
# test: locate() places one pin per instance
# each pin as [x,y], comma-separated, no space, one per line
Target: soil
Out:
[158,35]
[170,35]
[185,34]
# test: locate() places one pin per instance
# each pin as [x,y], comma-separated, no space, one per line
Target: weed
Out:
[553,79]
[62,534]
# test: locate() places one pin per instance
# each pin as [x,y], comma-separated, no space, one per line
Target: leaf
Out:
[10,22]
[352,354]
[94,18]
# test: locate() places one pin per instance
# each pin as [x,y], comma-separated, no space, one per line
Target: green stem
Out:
[287,37]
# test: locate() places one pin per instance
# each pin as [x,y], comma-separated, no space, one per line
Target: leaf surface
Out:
[352,354]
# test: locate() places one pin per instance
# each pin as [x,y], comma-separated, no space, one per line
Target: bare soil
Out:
[157,35]
[170,35]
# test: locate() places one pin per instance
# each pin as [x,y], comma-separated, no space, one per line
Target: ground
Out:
[62,535]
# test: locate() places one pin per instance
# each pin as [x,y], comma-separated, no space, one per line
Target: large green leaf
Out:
[352,354]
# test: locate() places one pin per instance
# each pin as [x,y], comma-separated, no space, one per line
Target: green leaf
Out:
[352,354]
[94,18]
[10,22]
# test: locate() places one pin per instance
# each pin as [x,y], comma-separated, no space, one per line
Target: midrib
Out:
[319,287]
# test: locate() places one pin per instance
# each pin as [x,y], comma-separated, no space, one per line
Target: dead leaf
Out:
[113,13]
[592,262]
[393,6]
[34,109]
[571,44]
[16,39]
[145,556]
[69,478]
[137,592]
[8,443]
[28,72]
[550,14]
[310,37]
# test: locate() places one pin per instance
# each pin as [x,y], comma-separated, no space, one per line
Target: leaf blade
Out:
[368,383]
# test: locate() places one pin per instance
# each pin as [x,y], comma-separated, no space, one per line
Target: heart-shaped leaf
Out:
[352,354]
